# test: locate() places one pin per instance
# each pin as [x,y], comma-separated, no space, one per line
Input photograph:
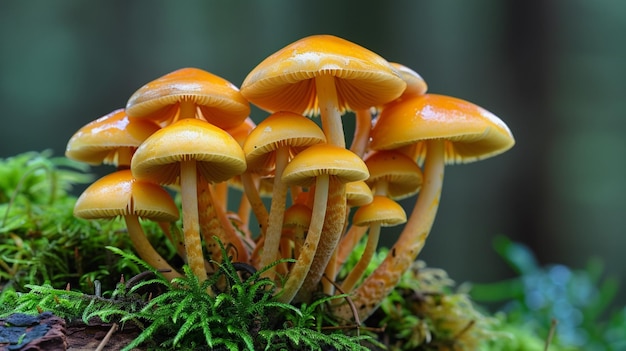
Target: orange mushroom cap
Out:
[219,101]
[120,194]
[218,155]
[358,193]
[471,133]
[401,174]
[281,129]
[319,159]
[110,139]
[283,81]
[381,210]
[415,84]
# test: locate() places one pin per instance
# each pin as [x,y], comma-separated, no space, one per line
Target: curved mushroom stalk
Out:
[334,221]
[120,194]
[305,259]
[362,127]
[214,223]
[379,284]
[382,211]
[145,250]
[276,214]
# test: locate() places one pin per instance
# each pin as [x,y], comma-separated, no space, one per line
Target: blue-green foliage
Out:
[578,301]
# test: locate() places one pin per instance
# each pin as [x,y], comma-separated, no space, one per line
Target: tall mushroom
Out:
[318,166]
[192,93]
[327,75]
[322,73]
[452,130]
[271,145]
[180,152]
[120,194]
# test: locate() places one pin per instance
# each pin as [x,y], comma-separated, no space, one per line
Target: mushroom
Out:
[110,139]
[120,194]
[180,94]
[297,220]
[381,212]
[270,146]
[451,130]
[181,152]
[327,168]
[322,73]
[392,174]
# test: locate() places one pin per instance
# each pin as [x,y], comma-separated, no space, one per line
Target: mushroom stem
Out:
[214,223]
[276,214]
[144,248]
[303,264]
[334,221]
[187,109]
[378,285]
[329,110]
[358,270]
[362,129]
[244,216]
[251,188]
[191,228]
[178,245]
[348,243]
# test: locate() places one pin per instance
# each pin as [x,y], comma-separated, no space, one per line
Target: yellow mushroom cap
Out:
[471,133]
[297,216]
[219,100]
[281,129]
[382,210]
[402,175]
[415,84]
[218,155]
[321,159]
[283,81]
[109,139]
[358,193]
[120,194]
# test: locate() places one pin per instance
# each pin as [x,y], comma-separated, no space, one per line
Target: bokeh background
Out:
[554,71]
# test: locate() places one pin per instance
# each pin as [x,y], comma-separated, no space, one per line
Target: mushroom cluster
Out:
[190,130]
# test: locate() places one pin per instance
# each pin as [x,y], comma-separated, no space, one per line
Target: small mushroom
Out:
[120,194]
[327,168]
[382,212]
[392,174]
[271,145]
[297,220]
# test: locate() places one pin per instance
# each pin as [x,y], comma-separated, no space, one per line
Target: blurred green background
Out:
[554,71]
